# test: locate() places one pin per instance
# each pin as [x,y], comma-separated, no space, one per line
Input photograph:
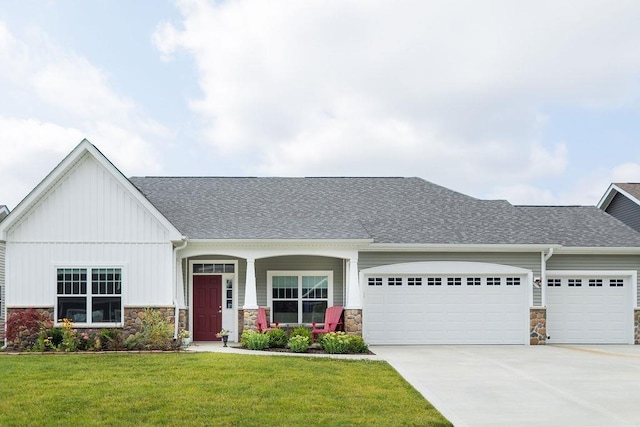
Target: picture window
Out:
[299,297]
[94,300]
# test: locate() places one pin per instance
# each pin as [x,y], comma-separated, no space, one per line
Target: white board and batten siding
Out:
[446,303]
[2,297]
[89,219]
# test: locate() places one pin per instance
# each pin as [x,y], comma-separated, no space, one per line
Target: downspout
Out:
[176,309]
[543,290]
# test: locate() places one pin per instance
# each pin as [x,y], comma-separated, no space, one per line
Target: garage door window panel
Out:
[375,281]
[616,283]
[414,281]
[434,281]
[554,283]
[454,281]
[474,281]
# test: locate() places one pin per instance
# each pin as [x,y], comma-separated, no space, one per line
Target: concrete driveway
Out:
[549,385]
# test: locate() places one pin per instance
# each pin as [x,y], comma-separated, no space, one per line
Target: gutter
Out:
[543,273]
[176,309]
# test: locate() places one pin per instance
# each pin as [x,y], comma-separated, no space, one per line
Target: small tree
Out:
[24,326]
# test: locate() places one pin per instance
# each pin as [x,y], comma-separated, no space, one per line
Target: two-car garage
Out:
[446,303]
[483,303]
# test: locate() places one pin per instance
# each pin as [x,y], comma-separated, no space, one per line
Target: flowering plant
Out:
[223,333]
[183,334]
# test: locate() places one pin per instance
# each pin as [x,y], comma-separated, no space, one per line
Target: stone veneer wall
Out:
[538,328]
[248,319]
[133,317]
[636,326]
[353,321]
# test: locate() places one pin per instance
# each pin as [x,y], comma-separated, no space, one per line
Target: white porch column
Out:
[250,293]
[353,285]
[179,283]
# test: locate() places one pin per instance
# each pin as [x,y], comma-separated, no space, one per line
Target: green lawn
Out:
[205,389]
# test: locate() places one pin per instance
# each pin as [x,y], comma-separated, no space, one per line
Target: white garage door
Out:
[434,308]
[585,309]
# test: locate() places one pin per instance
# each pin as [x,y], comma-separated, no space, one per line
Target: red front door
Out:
[207,302]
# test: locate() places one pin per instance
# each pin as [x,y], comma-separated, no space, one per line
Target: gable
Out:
[86,199]
[626,210]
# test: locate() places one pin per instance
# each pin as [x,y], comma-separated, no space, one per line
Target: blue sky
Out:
[533,103]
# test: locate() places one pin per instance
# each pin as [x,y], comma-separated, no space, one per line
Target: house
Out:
[410,261]
[622,200]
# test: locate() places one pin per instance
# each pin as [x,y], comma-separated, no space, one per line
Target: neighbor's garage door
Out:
[589,310]
[434,309]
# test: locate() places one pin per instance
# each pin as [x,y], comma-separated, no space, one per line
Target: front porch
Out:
[223,289]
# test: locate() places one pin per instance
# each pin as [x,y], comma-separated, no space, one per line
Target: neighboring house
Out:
[4,212]
[412,262]
[622,200]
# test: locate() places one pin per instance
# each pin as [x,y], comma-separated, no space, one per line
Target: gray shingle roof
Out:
[387,210]
[631,188]
[578,226]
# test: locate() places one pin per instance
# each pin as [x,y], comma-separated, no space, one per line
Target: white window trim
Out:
[89,267]
[299,274]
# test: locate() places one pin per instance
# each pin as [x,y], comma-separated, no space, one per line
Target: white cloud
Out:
[52,99]
[626,172]
[448,92]
[30,150]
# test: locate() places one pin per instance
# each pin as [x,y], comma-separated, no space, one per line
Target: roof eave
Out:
[281,242]
[439,247]
[599,250]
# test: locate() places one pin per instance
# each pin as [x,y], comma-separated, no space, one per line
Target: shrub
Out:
[88,340]
[357,344]
[134,342]
[335,342]
[49,339]
[254,340]
[278,338]
[302,332]
[299,343]
[24,327]
[156,333]
[110,340]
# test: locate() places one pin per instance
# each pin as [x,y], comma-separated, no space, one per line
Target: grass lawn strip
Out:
[205,389]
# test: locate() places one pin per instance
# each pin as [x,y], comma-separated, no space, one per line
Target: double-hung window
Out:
[89,295]
[299,296]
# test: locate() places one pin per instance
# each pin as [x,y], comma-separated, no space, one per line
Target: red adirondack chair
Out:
[263,323]
[332,321]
